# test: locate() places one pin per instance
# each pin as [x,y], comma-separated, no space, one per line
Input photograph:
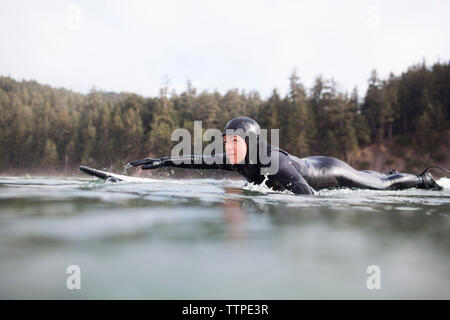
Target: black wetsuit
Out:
[300,176]
[303,175]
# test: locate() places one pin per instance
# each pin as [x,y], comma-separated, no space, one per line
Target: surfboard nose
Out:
[94,172]
[83,169]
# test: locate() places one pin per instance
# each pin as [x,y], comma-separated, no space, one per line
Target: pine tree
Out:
[50,156]
[297,117]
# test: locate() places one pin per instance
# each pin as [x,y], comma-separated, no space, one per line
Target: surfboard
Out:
[109,176]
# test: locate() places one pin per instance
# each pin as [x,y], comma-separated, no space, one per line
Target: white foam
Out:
[263,188]
[445,182]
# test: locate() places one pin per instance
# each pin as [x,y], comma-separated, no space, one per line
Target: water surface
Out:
[219,239]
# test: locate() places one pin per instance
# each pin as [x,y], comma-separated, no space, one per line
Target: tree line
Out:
[45,127]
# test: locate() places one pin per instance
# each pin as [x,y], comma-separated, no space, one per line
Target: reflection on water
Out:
[234,215]
[166,239]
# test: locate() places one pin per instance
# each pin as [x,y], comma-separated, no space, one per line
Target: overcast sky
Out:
[253,45]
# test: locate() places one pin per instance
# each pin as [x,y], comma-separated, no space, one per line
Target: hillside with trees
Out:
[44,128]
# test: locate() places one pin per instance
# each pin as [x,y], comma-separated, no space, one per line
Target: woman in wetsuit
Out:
[300,176]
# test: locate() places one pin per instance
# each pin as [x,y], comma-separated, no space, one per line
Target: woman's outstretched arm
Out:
[217,161]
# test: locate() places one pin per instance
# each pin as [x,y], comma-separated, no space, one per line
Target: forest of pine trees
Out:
[43,127]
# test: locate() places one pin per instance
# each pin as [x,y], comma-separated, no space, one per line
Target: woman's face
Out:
[235,148]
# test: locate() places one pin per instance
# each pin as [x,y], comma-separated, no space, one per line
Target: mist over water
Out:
[219,239]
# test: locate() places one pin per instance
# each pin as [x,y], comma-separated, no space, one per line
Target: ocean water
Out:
[219,239]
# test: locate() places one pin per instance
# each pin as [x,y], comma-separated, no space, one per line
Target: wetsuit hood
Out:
[247,125]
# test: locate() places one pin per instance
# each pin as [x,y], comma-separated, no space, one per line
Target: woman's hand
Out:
[148,163]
